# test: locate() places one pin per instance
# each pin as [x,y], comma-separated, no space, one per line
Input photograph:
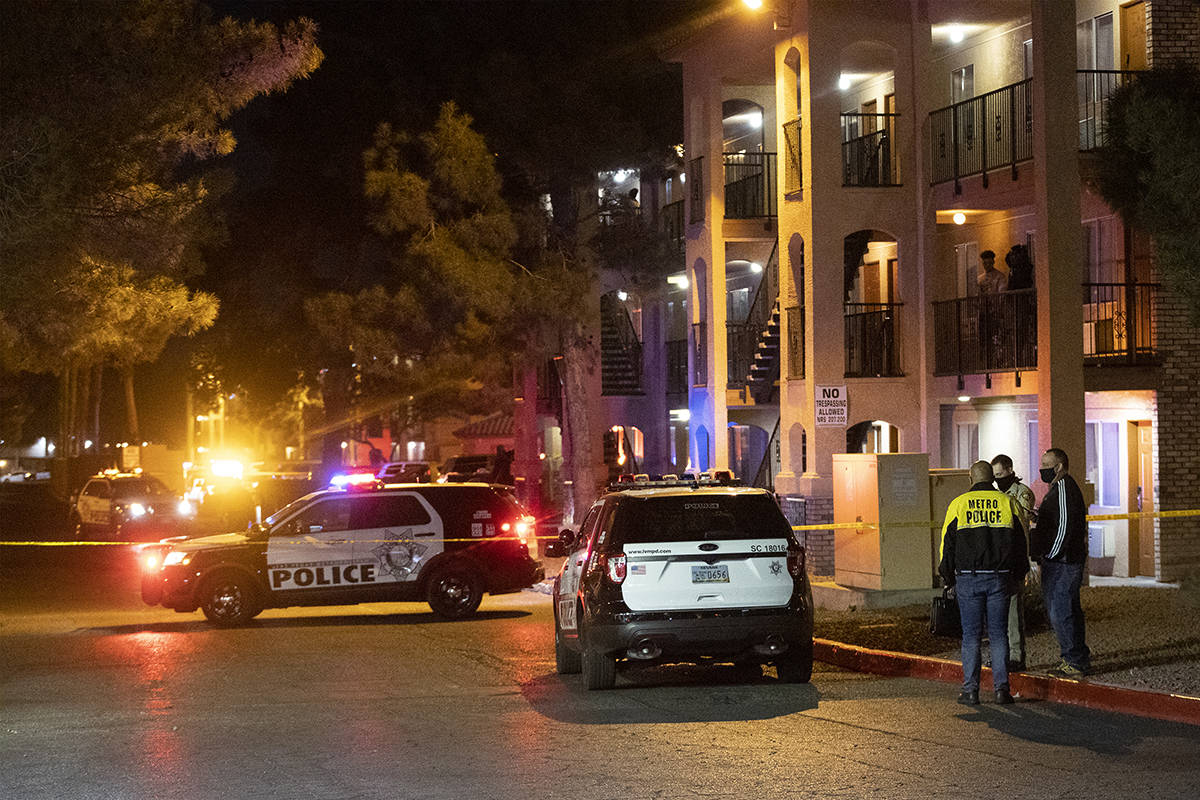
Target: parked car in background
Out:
[407,472]
[129,506]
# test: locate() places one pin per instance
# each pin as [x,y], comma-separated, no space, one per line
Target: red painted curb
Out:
[1157,705]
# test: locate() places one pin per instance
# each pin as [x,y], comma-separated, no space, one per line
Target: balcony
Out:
[750,181]
[1094,87]
[1118,323]
[986,333]
[981,135]
[868,155]
[677,368]
[872,340]
[995,130]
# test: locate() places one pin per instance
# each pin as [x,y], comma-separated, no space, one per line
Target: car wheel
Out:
[599,669]
[796,666]
[566,660]
[228,600]
[454,592]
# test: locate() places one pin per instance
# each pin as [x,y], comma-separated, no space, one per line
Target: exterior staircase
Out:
[764,369]
[620,350]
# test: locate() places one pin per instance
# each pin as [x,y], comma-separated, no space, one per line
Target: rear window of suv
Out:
[681,518]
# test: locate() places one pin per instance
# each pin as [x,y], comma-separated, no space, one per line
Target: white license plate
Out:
[717,574]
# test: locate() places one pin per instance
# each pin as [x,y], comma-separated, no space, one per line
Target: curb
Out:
[1098,696]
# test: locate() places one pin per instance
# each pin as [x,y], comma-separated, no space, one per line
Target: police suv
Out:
[689,572]
[444,544]
[128,505]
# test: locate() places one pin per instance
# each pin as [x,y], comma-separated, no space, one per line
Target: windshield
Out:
[275,518]
[144,486]
[687,518]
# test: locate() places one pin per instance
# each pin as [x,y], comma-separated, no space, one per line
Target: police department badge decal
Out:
[776,567]
[399,555]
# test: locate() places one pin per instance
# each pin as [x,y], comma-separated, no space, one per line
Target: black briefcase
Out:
[943,616]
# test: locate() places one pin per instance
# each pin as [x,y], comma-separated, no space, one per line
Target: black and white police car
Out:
[682,572]
[129,505]
[444,544]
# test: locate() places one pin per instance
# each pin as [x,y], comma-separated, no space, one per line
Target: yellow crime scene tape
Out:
[816,526]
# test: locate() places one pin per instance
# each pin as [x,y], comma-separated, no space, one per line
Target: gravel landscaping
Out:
[1143,638]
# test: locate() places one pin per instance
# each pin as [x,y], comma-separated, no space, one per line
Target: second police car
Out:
[688,572]
[443,544]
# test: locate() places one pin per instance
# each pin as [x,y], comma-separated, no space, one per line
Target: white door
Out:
[395,536]
[314,549]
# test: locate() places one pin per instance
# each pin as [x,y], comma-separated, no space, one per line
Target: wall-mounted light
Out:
[678,280]
[964,398]
[753,5]
[957,34]
[959,218]
[622,295]
[843,82]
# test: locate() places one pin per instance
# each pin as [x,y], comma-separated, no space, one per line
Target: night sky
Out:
[295,215]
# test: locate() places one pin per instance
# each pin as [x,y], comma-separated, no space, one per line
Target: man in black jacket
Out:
[983,558]
[1059,544]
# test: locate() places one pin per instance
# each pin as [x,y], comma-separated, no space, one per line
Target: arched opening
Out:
[701,462]
[742,129]
[867,83]
[873,436]
[749,167]
[798,447]
[872,304]
[795,311]
[793,172]
[750,456]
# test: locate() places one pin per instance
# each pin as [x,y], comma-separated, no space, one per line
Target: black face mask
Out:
[1006,482]
[1047,474]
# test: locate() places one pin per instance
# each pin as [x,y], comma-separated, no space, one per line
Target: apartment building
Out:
[847,166]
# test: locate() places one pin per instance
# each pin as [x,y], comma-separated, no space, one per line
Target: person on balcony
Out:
[1020,268]
[992,281]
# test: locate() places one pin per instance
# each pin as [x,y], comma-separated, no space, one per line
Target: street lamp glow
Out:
[753,5]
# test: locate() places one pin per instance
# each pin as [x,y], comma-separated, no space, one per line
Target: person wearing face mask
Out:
[1008,482]
[1059,543]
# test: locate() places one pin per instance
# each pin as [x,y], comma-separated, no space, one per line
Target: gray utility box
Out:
[892,490]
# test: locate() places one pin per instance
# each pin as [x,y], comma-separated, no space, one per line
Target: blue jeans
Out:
[1060,587]
[980,596]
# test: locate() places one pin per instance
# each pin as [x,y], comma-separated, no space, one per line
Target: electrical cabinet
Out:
[892,491]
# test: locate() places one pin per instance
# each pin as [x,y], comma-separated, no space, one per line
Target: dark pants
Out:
[980,597]
[1060,587]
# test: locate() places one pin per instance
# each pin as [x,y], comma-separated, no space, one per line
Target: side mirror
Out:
[562,546]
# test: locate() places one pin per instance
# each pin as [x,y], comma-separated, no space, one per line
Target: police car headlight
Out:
[176,557]
[136,509]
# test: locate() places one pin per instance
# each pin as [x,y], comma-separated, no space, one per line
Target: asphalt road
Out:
[101,697]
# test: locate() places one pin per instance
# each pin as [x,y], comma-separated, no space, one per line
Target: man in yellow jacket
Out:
[984,560]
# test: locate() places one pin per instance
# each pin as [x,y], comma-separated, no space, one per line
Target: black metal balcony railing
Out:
[677,371]
[743,336]
[695,183]
[699,354]
[1118,323]
[793,167]
[670,219]
[872,340]
[982,134]
[869,157]
[1094,88]
[795,339]
[750,181]
[985,333]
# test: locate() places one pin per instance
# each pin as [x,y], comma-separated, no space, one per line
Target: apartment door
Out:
[1133,36]
[1141,497]
[870,111]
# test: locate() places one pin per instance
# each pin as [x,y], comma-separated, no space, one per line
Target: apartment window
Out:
[1103,448]
[967,444]
[962,84]
[966,259]
[1094,43]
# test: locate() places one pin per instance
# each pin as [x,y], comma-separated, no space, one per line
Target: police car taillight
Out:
[523,529]
[614,567]
[795,561]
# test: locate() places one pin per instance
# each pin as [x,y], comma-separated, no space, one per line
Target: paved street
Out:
[103,698]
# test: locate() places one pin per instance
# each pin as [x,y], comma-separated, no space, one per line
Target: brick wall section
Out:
[1172,32]
[1172,37]
[818,545]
